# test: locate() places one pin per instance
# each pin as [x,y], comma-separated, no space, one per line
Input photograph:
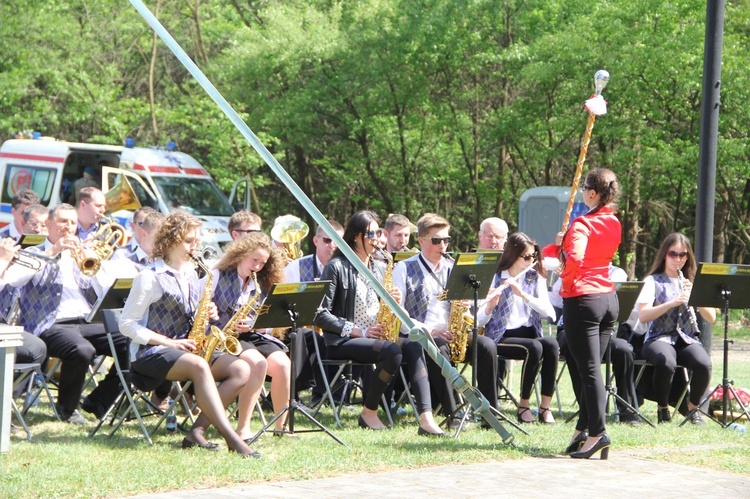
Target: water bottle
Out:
[171,419]
[30,393]
[739,428]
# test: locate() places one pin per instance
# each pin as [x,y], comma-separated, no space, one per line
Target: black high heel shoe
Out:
[543,410]
[577,442]
[362,424]
[602,445]
[424,433]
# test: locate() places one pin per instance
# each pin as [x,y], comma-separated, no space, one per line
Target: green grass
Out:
[63,462]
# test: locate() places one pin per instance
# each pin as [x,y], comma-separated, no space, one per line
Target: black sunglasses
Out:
[674,254]
[438,240]
[528,258]
[587,188]
[372,234]
[326,240]
[246,231]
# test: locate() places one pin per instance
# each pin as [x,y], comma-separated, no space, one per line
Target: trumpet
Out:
[109,235]
[32,260]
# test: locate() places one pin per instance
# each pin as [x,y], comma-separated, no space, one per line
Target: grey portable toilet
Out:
[541,211]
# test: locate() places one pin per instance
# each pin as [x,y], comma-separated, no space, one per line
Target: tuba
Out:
[121,197]
[290,233]
[252,305]
[386,317]
[205,344]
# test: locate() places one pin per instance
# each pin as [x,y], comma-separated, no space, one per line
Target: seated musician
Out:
[33,350]
[397,230]
[35,219]
[18,204]
[673,337]
[513,315]
[247,270]
[165,299]
[242,223]
[421,280]
[348,318]
[493,232]
[90,207]
[141,244]
[53,304]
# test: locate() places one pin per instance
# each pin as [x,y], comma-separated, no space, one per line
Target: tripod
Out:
[727,385]
[294,405]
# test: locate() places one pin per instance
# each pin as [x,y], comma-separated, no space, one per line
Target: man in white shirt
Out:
[310,267]
[22,200]
[493,232]
[90,209]
[53,305]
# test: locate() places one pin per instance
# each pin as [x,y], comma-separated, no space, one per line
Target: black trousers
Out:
[666,358]
[538,354]
[76,345]
[386,356]
[306,362]
[623,358]
[486,368]
[33,351]
[589,324]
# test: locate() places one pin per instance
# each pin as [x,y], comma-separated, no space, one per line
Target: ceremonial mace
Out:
[596,106]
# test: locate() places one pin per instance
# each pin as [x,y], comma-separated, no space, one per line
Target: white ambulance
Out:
[162,178]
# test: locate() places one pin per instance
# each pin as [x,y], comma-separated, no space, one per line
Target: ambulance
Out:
[162,178]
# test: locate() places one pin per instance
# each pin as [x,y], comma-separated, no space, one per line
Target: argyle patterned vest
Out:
[226,294]
[170,315]
[307,266]
[675,322]
[40,297]
[417,298]
[498,322]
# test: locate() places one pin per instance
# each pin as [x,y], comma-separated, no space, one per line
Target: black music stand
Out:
[114,298]
[715,284]
[470,279]
[627,294]
[287,305]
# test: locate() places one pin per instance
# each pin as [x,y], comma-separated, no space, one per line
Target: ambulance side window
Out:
[41,180]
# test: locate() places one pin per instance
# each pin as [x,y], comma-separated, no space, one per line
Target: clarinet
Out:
[691,312]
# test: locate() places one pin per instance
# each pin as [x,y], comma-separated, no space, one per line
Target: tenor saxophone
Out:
[205,344]
[386,317]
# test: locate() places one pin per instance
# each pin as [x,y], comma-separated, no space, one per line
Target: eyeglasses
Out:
[372,234]
[587,188]
[674,254]
[33,225]
[326,240]
[438,240]
[529,257]
[246,231]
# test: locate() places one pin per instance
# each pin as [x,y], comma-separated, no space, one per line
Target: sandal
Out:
[519,414]
[542,410]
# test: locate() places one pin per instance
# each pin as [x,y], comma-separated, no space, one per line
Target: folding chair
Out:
[37,383]
[26,374]
[642,364]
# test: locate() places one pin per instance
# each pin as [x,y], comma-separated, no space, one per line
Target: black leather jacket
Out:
[338,304]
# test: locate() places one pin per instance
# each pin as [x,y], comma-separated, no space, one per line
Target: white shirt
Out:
[146,290]
[292,273]
[437,311]
[519,311]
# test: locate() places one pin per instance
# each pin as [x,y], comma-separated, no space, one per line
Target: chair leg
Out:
[20,419]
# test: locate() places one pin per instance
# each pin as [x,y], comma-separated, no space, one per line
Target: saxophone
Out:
[460,323]
[252,305]
[205,344]
[386,317]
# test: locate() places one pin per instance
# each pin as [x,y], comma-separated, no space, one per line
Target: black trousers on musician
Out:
[32,351]
[442,390]
[386,356]
[666,358]
[76,344]
[537,353]
[589,324]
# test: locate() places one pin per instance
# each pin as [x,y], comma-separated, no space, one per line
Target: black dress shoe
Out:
[71,417]
[602,445]
[189,444]
[663,416]
[424,433]
[93,407]
[577,442]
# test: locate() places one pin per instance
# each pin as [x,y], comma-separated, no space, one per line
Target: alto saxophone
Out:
[252,305]
[460,323]
[205,344]
[386,317]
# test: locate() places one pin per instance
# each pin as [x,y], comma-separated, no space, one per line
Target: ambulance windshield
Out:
[196,196]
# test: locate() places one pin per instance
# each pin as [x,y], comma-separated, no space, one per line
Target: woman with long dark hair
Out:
[348,319]
[513,315]
[590,305]
[673,337]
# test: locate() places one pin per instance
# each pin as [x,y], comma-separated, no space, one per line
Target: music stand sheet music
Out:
[472,266]
[711,278]
[29,240]
[304,297]
[627,295]
[114,298]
